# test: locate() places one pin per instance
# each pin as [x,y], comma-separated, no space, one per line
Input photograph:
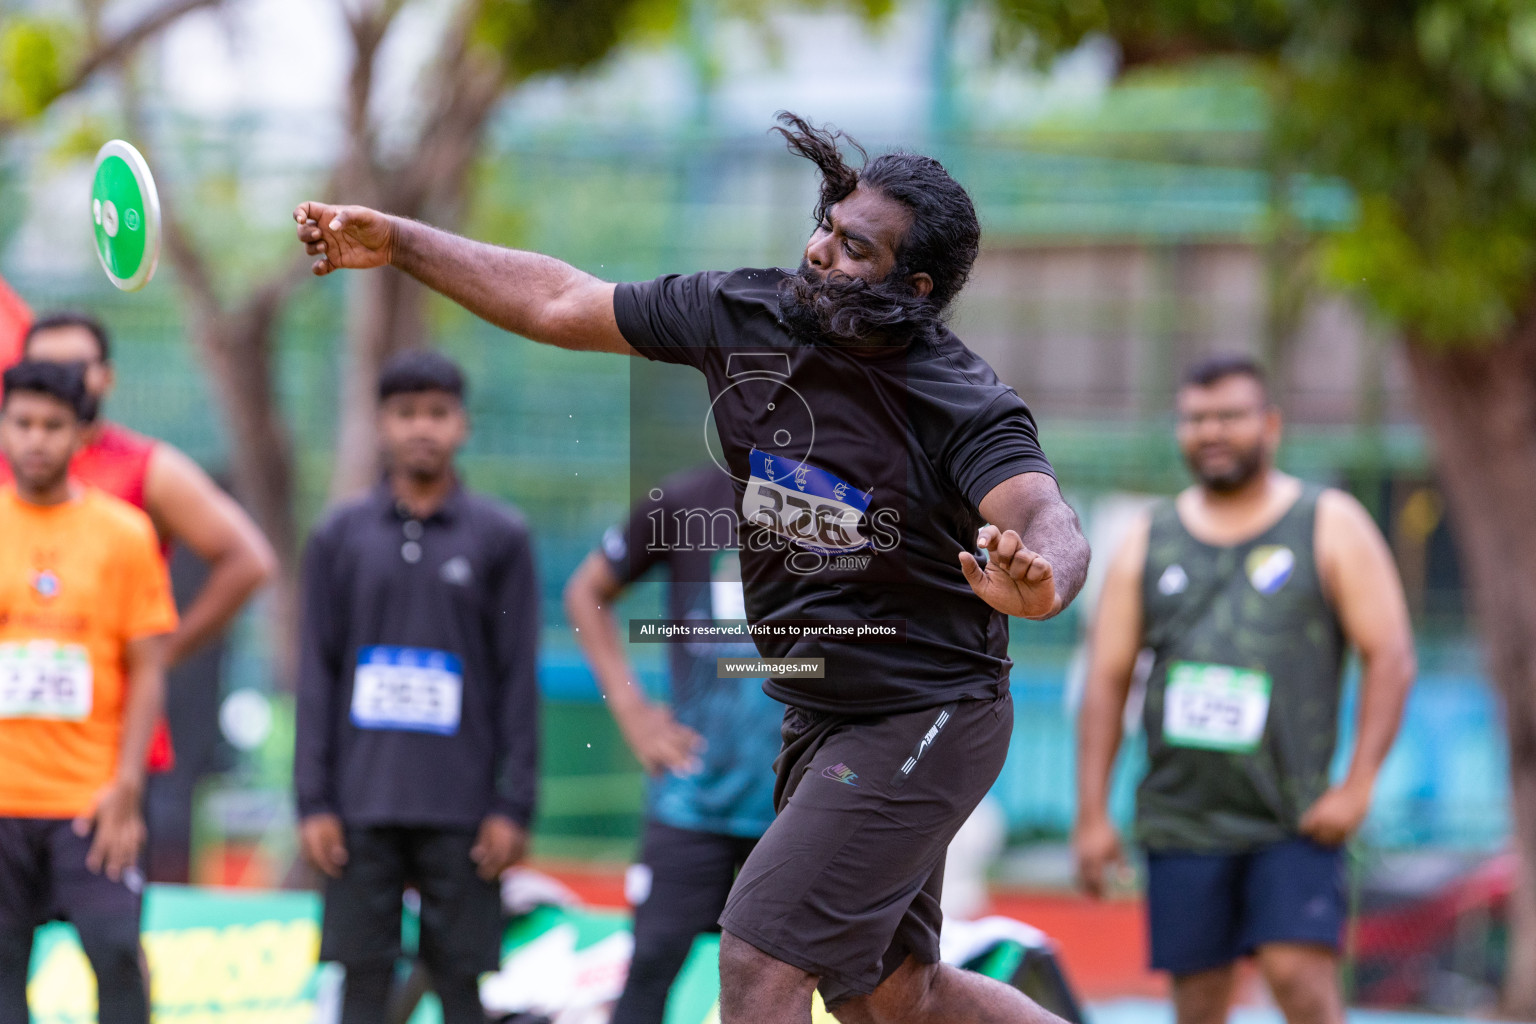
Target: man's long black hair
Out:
[942,241]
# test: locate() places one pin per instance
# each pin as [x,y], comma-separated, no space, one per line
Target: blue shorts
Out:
[1208,909]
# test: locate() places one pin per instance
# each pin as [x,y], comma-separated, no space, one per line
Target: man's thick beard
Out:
[842,310]
[1250,466]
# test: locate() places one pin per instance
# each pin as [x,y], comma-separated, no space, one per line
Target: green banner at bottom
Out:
[230,956]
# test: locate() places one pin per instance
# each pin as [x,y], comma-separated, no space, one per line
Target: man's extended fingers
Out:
[1008,548]
[1090,876]
[120,857]
[986,537]
[971,569]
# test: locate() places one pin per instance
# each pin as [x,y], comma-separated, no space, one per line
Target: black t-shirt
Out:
[418,691]
[858,476]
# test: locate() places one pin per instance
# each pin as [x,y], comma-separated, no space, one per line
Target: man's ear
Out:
[922,284]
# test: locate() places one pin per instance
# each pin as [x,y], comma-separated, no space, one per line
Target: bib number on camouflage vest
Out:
[43,679]
[1215,707]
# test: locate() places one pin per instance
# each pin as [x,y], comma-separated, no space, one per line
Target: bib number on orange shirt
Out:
[43,679]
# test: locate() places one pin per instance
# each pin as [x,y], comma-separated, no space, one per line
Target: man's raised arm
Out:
[536,296]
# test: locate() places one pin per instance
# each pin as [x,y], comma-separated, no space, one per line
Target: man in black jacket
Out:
[417,744]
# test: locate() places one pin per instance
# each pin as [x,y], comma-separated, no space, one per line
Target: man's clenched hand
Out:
[353,237]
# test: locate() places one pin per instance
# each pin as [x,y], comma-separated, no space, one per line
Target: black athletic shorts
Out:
[43,877]
[845,883]
[461,922]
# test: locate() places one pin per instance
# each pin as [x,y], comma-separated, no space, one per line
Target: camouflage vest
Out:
[1242,705]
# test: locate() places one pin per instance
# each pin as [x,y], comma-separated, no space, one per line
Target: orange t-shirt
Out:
[78,581]
[117,461]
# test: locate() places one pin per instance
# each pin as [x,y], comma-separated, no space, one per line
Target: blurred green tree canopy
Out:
[36,53]
[1427,108]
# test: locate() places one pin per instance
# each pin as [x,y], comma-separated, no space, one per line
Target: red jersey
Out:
[117,461]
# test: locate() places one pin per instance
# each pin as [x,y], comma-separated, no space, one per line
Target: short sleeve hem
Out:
[1007,471]
[627,314]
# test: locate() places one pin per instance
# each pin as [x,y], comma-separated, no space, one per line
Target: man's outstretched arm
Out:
[536,296]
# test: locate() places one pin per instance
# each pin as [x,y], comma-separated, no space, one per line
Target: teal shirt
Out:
[686,527]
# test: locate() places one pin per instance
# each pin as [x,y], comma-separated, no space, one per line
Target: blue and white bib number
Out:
[806,505]
[410,688]
[43,679]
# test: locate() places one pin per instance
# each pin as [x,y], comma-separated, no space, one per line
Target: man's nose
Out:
[817,254]
[1211,429]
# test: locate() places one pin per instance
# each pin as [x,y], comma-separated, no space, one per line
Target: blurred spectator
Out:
[1248,588]
[417,745]
[187,508]
[710,754]
[85,611]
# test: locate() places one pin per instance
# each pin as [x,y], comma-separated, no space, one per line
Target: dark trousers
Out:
[678,888]
[42,877]
[461,922]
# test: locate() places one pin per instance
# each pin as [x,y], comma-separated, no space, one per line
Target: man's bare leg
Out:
[1204,997]
[941,994]
[1305,982]
[755,988]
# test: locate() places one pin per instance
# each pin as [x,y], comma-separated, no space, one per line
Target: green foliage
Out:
[562,36]
[1427,108]
[35,56]
[1147,32]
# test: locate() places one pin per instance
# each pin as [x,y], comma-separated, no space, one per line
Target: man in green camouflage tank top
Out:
[1247,589]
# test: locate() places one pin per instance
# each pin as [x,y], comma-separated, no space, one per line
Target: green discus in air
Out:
[125,212]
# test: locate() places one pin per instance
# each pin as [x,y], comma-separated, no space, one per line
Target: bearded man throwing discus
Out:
[870,452]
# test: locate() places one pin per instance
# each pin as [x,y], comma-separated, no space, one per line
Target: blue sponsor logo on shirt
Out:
[807,505]
[1270,567]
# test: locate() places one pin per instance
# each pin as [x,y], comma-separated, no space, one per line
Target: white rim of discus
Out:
[151,199]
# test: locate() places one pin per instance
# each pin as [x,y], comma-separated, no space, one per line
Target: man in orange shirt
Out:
[184,504]
[188,509]
[85,612]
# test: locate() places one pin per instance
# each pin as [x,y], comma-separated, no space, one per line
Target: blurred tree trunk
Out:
[235,344]
[389,308]
[1479,406]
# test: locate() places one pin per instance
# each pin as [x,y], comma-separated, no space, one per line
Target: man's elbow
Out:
[1396,665]
[578,596]
[256,562]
